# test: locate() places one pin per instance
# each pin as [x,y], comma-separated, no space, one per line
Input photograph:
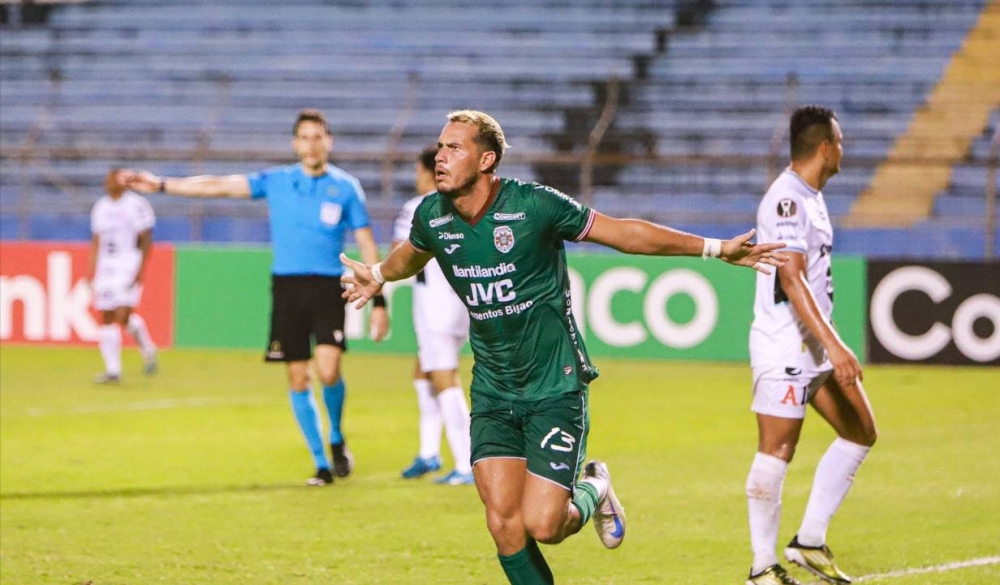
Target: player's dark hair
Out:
[310,115]
[111,181]
[490,135]
[427,156]
[808,128]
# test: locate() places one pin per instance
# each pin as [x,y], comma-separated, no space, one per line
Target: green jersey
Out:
[509,268]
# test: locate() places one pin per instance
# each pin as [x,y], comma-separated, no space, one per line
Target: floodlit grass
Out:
[196,476]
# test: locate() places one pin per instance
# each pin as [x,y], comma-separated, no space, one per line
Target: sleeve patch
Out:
[787,208]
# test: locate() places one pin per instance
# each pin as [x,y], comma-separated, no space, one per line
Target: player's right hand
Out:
[144,182]
[846,367]
[360,286]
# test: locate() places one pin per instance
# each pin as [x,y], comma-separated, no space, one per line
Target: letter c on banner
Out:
[981,306]
[706,308]
[911,347]
[599,307]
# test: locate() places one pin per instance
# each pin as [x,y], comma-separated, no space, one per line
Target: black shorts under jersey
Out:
[305,310]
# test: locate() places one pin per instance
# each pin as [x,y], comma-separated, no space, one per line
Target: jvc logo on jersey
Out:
[565,440]
[502,290]
[450,236]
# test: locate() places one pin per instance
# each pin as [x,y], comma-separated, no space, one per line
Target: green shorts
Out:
[550,433]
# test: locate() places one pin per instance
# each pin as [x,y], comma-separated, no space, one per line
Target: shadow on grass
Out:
[138,492]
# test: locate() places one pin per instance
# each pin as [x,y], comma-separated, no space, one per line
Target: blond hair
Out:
[490,134]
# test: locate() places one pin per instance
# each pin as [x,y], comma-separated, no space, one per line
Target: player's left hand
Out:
[360,286]
[378,323]
[741,251]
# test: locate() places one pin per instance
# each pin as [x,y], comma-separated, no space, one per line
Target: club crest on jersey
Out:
[786,208]
[503,238]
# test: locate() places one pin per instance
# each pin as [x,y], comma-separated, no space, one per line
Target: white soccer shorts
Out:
[111,294]
[438,351]
[777,393]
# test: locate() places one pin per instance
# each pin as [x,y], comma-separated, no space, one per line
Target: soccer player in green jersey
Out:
[501,245]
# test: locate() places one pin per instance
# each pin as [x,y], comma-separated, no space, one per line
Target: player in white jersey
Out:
[797,358]
[121,224]
[441,323]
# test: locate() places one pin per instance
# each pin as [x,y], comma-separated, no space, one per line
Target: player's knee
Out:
[869,436]
[545,528]
[298,380]
[503,526]
[329,378]
[784,451]
[864,434]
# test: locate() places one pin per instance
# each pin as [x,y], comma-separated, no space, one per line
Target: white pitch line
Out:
[164,404]
[980,562]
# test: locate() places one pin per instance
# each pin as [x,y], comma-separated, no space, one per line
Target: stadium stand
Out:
[902,192]
[199,86]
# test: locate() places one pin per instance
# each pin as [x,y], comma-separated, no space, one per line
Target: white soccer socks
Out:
[109,341]
[137,329]
[430,420]
[767,475]
[834,476]
[455,412]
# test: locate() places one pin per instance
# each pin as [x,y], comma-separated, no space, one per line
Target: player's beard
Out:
[463,187]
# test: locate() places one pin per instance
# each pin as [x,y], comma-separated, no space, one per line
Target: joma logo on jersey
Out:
[503,238]
[508,216]
[440,221]
[484,294]
[450,236]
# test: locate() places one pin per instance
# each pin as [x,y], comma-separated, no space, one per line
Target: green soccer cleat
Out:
[818,560]
[773,575]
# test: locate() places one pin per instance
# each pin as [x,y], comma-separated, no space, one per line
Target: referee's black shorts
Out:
[305,309]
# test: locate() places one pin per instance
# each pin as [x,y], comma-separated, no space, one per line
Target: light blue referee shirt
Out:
[309,217]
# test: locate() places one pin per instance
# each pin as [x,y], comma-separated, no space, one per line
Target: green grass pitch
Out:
[196,476]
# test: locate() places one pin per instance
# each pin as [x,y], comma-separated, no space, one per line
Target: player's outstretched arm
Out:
[237,186]
[402,262]
[636,236]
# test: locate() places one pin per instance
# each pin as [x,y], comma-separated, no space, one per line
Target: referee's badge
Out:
[329,213]
[503,238]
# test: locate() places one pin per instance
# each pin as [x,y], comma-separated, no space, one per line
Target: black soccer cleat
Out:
[323,477]
[343,460]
